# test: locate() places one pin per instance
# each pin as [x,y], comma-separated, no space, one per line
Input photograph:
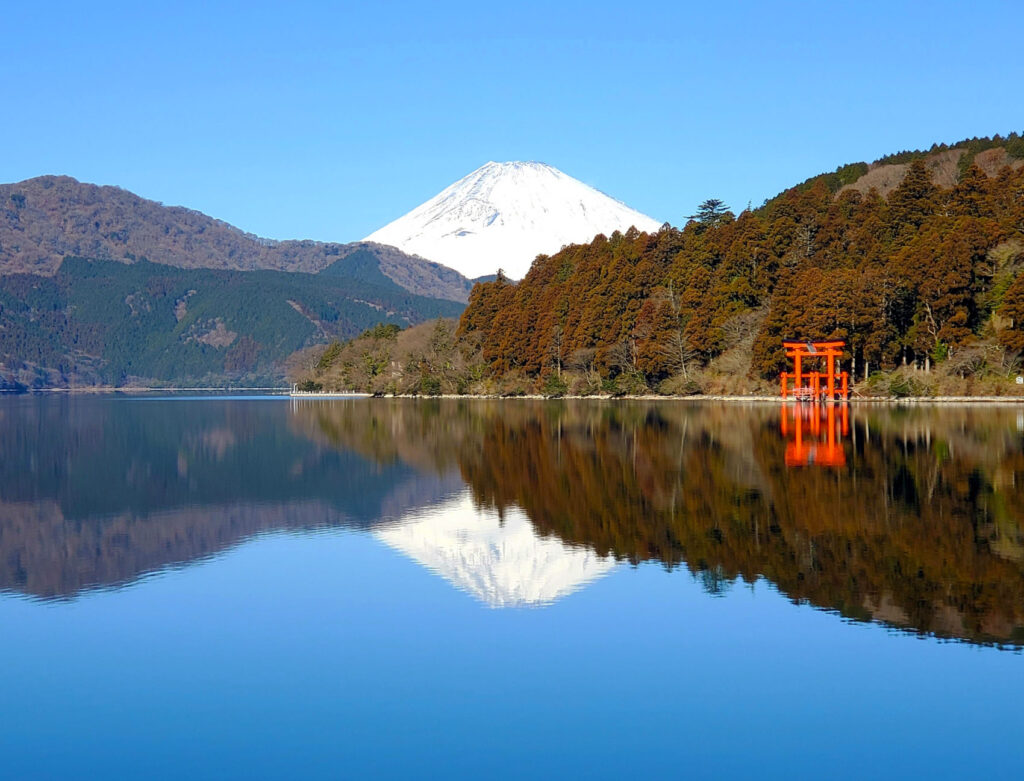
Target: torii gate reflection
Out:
[817,434]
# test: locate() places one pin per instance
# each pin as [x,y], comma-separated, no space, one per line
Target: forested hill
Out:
[49,218]
[946,164]
[107,323]
[921,271]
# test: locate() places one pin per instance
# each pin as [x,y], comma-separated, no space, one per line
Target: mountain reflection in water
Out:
[918,524]
[96,492]
[497,557]
[911,517]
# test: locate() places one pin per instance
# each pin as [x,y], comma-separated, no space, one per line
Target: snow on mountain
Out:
[503,215]
[500,561]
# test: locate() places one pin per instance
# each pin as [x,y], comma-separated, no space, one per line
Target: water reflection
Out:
[918,525]
[96,492]
[814,433]
[497,557]
[911,517]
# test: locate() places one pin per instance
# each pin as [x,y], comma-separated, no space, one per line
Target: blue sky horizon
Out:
[326,121]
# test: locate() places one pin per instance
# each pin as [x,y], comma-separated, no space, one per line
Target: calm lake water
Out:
[274,588]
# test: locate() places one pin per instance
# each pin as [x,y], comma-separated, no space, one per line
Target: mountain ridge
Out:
[48,218]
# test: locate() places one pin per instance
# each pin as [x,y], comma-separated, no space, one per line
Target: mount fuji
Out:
[498,558]
[505,214]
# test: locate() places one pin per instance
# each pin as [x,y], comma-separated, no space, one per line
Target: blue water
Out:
[319,650]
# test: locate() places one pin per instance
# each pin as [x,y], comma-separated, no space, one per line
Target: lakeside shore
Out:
[746,399]
[327,395]
[101,389]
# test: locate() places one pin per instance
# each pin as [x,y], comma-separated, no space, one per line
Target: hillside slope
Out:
[946,164]
[46,219]
[107,323]
[926,275]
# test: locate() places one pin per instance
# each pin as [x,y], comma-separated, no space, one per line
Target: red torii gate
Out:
[800,351]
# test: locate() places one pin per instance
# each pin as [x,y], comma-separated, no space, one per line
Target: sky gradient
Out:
[328,120]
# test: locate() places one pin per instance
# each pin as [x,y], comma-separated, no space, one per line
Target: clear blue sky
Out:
[327,120]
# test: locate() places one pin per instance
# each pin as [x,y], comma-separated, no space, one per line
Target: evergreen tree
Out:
[914,200]
[711,213]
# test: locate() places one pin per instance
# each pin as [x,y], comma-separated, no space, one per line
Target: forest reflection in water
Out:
[908,516]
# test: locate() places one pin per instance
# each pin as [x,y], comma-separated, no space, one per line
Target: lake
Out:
[267,587]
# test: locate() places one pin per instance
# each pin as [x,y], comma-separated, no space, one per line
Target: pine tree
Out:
[914,200]
[711,213]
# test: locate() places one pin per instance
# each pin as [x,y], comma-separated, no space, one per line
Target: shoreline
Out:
[742,399]
[140,390]
[284,392]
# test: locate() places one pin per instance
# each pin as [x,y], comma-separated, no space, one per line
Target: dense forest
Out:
[110,323]
[922,529]
[914,260]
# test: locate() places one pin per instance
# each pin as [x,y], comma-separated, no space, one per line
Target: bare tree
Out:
[677,353]
[624,354]
[585,361]
[805,236]
[675,350]
[557,345]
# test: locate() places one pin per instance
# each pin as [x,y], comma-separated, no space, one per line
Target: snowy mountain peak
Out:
[503,215]
[500,560]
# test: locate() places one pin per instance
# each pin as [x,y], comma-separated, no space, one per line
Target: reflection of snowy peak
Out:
[503,215]
[502,564]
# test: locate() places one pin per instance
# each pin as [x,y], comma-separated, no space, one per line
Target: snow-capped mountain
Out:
[500,561]
[505,214]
